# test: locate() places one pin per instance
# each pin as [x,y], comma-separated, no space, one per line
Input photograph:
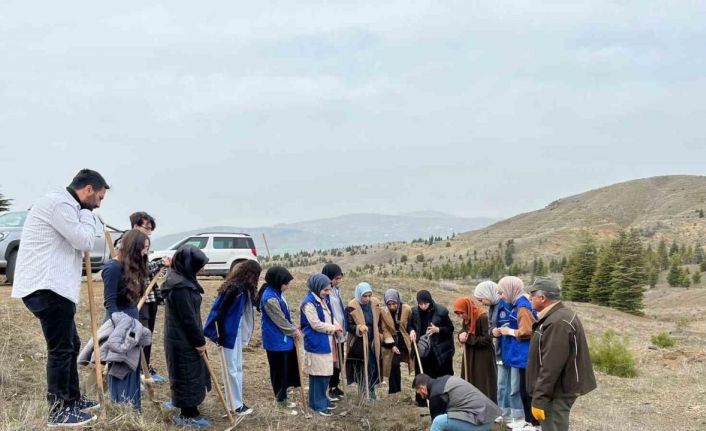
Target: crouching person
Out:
[455,404]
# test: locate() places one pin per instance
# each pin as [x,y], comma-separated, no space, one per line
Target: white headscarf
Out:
[487,290]
[361,289]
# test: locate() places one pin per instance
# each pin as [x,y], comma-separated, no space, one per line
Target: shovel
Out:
[219,392]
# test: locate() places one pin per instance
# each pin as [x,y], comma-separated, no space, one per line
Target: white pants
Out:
[234,364]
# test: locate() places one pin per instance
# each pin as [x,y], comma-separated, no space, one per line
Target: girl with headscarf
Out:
[514,353]
[487,294]
[231,323]
[318,329]
[337,305]
[364,323]
[479,365]
[432,320]
[396,346]
[279,335]
[184,341]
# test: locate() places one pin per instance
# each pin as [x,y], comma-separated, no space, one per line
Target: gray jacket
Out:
[120,339]
[460,400]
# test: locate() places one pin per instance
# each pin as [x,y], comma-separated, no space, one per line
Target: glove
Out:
[538,413]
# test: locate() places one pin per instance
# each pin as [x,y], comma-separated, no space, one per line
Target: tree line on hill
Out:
[616,273]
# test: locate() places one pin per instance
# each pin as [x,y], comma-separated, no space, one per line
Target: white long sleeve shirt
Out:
[55,235]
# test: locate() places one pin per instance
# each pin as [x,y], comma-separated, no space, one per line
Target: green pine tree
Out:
[629,277]
[674,248]
[685,278]
[599,292]
[674,275]
[696,278]
[663,255]
[579,271]
[698,254]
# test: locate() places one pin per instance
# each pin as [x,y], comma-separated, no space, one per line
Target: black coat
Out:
[442,344]
[183,330]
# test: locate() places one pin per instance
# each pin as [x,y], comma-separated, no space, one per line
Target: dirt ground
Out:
[669,393]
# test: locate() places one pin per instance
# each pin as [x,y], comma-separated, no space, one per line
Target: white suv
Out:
[224,250]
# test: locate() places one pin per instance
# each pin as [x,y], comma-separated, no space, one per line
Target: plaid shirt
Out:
[154,268]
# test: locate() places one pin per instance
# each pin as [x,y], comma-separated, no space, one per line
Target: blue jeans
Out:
[504,375]
[318,401]
[443,423]
[517,409]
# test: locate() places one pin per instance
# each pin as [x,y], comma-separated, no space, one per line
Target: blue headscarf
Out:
[361,289]
[317,282]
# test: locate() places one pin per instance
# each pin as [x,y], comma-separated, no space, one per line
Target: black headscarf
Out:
[331,270]
[277,276]
[424,296]
[186,263]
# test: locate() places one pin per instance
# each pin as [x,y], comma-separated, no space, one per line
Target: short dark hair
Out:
[421,380]
[136,219]
[87,177]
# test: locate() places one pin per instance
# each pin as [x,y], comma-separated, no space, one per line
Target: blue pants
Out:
[318,401]
[443,423]
[517,408]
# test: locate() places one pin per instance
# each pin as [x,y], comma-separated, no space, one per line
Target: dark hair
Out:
[421,380]
[138,218]
[87,177]
[275,277]
[134,264]
[243,275]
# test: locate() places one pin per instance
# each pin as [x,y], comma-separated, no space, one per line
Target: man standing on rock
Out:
[559,367]
[59,228]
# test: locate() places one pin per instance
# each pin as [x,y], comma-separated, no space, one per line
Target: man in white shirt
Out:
[59,228]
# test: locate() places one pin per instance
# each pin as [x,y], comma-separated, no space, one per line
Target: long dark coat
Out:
[183,330]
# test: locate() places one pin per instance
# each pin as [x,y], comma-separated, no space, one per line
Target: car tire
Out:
[10,270]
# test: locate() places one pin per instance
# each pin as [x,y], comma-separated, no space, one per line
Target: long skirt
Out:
[284,372]
[127,390]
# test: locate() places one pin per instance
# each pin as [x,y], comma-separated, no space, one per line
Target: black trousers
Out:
[335,379]
[148,318]
[284,372]
[56,316]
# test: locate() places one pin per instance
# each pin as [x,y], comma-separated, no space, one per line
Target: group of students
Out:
[361,338]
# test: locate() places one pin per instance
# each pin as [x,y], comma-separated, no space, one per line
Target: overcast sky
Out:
[218,113]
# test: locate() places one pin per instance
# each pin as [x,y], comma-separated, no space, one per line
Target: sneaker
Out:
[285,404]
[243,410]
[199,422]
[86,404]
[326,413]
[337,392]
[70,417]
[332,396]
[332,407]
[517,425]
[156,377]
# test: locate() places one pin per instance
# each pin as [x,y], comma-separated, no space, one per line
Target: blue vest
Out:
[516,351]
[503,319]
[273,339]
[314,342]
[232,320]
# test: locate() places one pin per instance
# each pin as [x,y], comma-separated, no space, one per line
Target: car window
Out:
[223,242]
[13,219]
[196,241]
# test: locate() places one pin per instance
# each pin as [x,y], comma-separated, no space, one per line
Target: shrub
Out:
[663,340]
[611,355]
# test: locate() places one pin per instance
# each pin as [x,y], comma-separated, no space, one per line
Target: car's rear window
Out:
[229,242]
[13,219]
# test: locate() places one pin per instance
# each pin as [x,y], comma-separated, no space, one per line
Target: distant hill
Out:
[661,207]
[666,207]
[344,230]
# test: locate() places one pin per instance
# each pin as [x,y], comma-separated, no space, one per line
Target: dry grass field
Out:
[669,393]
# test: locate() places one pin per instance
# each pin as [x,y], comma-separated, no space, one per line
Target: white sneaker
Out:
[517,425]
